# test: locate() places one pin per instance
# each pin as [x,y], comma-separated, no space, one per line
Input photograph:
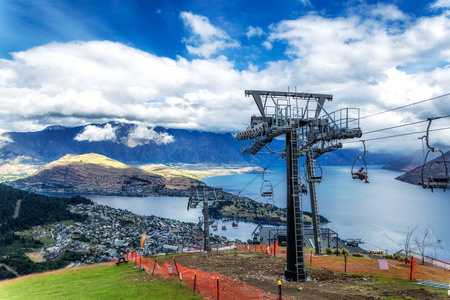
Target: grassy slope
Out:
[90,158]
[105,281]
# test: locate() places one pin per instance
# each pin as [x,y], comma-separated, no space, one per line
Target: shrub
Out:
[358,254]
[337,251]
[345,251]
[389,256]
[328,251]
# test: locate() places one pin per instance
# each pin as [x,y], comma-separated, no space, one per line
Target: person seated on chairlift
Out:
[362,174]
[304,189]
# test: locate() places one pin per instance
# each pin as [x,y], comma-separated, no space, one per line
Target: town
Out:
[109,233]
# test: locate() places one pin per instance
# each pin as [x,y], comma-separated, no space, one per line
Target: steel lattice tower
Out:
[309,131]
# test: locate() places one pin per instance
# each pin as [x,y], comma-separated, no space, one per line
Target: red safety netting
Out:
[207,285]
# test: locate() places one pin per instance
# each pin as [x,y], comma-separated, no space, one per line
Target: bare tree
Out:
[423,243]
[407,243]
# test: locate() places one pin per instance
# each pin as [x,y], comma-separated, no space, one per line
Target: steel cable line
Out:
[273,187]
[397,135]
[256,177]
[400,107]
[408,124]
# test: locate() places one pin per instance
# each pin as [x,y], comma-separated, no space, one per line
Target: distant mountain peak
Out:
[89,158]
[55,127]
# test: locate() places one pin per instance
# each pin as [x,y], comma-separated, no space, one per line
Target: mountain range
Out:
[431,169]
[415,159]
[139,145]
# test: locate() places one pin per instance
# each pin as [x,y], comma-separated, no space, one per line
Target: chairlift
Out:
[266,188]
[317,173]
[360,160]
[302,182]
[270,205]
[430,177]
[235,225]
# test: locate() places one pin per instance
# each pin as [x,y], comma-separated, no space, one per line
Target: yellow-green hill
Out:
[94,173]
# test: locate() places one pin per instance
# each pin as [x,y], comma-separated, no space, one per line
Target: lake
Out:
[380,212]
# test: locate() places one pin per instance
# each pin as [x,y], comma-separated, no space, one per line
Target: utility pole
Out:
[309,131]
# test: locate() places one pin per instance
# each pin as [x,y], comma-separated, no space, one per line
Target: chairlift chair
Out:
[435,180]
[317,173]
[270,204]
[266,188]
[360,160]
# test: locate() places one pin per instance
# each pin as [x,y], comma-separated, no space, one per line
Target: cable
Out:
[273,187]
[400,107]
[256,177]
[388,128]
[403,125]
[397,135]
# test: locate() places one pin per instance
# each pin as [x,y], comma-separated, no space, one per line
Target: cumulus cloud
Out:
[94,133]
[441,4]
[387,12]
[206,39]
[365,61]
[143,134]
[5,139]
[254,31]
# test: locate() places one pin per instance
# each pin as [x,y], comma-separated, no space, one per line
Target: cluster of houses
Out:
[110,232]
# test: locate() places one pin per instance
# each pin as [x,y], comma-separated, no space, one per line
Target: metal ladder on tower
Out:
[313,198]
[298,214]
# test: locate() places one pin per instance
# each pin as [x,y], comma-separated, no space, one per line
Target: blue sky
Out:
[186,64]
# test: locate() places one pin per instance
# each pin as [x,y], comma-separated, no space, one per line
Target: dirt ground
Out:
[36,257]
[264,272]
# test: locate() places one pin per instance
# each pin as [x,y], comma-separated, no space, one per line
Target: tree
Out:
[406,244]
[424,243]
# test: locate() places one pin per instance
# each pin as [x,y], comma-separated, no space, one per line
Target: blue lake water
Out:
[380,213]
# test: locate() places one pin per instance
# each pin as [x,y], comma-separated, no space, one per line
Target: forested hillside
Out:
[34,210]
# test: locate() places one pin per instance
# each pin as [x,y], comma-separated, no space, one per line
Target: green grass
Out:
[106,281]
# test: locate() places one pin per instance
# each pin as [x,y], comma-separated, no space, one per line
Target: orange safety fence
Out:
[359,265]
[269,250]
[207,285]
[372,267]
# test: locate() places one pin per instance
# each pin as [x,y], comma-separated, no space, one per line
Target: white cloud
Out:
[94,133]
[254,31]
[362,61]
[206,39]
[268,45]
[387,12]
[305,2]
[143,134]
[5,139]
[441,4]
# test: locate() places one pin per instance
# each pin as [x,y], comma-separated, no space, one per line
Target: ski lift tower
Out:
[207,197]
[309,131]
